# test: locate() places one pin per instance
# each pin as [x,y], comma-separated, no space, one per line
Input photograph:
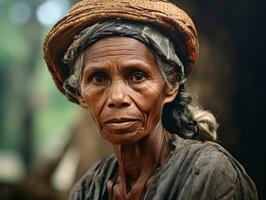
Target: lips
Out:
[121,125]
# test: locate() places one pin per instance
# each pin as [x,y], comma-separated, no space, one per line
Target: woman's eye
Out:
[137,76]
[98,78]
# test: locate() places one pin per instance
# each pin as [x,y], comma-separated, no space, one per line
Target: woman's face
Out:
[123,88]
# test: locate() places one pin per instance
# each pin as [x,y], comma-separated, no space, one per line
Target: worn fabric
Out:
[145,33]
[194,171]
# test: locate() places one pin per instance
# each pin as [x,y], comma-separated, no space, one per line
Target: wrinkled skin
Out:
[125,92]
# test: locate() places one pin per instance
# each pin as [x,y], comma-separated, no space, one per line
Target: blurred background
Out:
[47,143]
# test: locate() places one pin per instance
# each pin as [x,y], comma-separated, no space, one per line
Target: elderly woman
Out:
[126,62]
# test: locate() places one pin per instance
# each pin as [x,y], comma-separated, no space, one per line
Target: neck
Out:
[138,161]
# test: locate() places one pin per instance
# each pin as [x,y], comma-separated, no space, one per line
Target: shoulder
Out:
[94,180]
[206,159]
[203,154]
[215,173]
[214,159]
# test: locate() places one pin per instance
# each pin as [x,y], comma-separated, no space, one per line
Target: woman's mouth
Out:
[122,125]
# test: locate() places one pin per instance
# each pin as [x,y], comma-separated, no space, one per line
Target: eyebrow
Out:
[98,66]
[134,63]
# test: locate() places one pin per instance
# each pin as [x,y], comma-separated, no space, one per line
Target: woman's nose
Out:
[118,97]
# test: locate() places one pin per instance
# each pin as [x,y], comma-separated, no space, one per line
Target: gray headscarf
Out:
[158,42]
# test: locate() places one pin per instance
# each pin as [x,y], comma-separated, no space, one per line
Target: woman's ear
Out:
[82,102]
[171,92]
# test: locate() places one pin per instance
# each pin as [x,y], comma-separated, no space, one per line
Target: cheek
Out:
[150,96]
[92,98]
[153,115]
[150,101]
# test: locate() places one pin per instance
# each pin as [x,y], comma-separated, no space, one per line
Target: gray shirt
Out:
[194,171]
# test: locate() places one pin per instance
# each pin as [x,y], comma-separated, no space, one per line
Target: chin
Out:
[124,138]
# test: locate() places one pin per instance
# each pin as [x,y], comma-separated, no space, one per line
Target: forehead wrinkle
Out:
[116,57]
[116,54]
[117,43]
[134,62]
[121,44]
[119,49]
[114,48]
[106,45]
[122,40]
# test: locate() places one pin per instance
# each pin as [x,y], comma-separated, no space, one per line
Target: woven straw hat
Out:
[161,13]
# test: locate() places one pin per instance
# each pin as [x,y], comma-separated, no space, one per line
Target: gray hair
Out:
[182,116]
[186,118]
